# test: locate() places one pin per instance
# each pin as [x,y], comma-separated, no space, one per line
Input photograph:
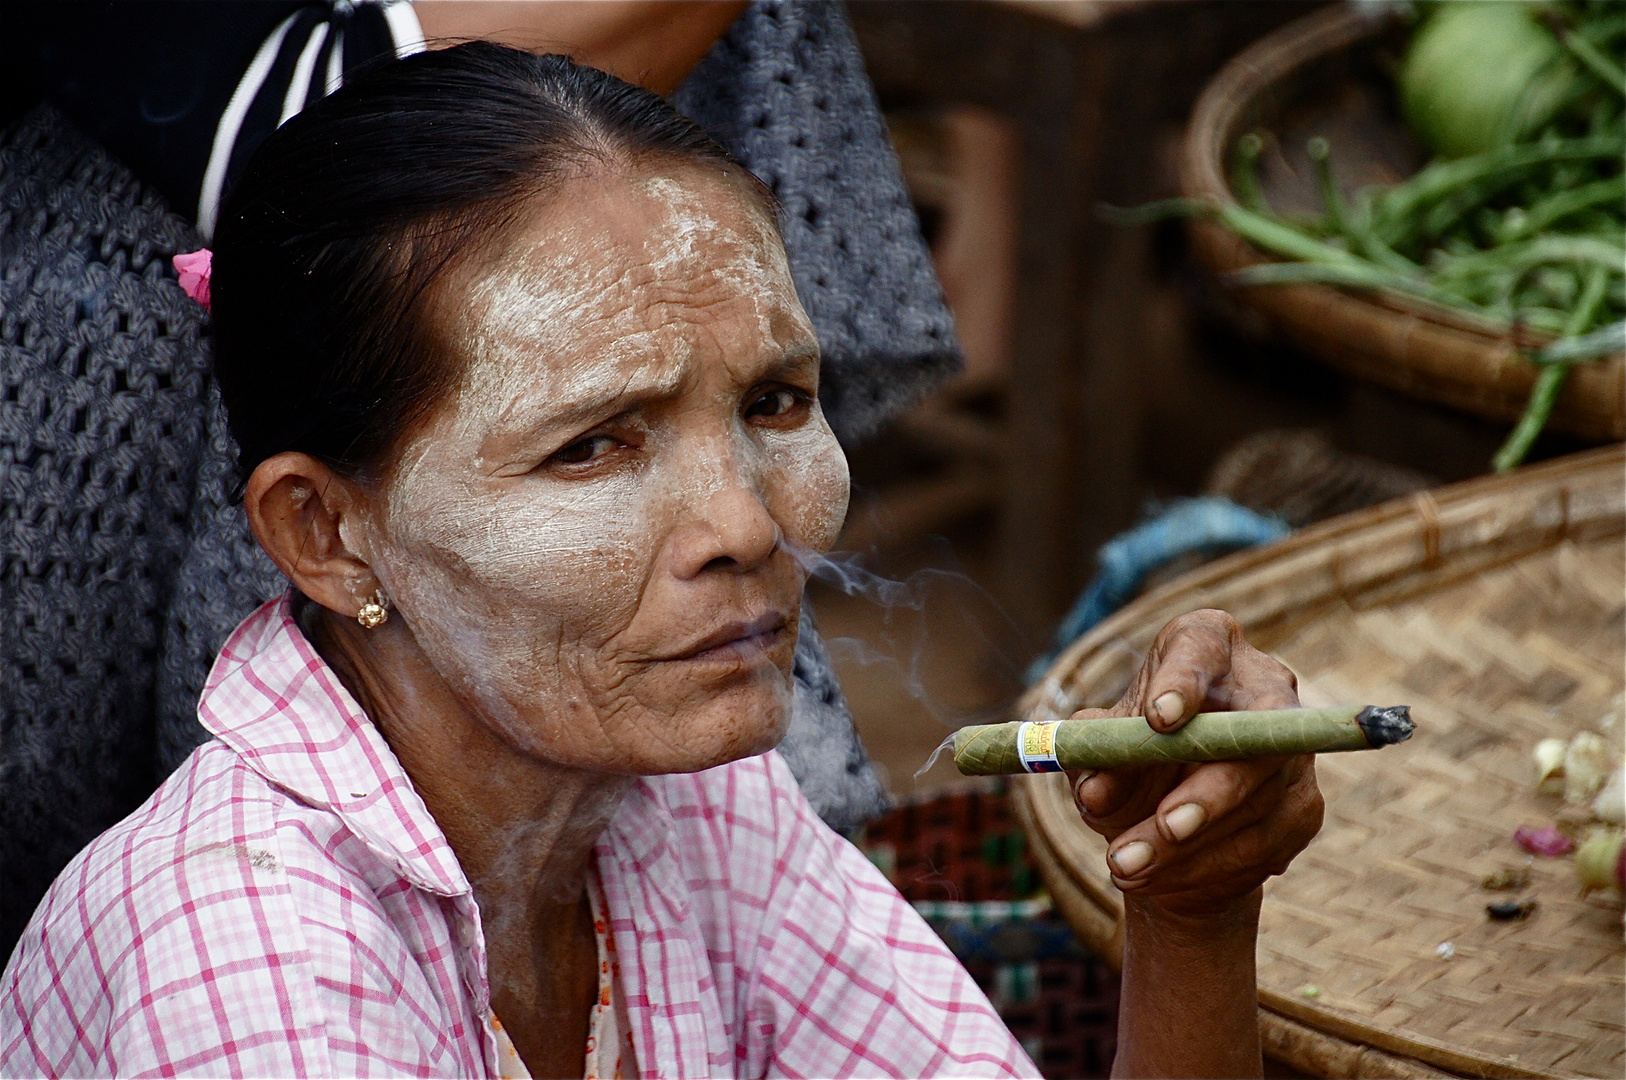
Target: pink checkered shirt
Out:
[286,906]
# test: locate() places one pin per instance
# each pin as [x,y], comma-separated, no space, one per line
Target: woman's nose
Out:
[728,529]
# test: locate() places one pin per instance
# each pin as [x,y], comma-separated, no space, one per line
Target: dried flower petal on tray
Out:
[1546,841]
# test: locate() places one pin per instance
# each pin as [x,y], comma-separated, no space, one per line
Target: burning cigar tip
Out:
[1386,725]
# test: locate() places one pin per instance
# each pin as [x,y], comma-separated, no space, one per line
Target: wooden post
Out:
[1089,88]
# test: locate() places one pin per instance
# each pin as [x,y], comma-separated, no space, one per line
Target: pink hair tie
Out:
[195,268]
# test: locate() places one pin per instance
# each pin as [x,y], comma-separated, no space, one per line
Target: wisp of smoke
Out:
[841,569]
[907,648]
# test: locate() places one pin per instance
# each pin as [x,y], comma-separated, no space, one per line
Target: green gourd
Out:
[1481,74]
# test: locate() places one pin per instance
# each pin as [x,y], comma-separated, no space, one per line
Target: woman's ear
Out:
[300,511]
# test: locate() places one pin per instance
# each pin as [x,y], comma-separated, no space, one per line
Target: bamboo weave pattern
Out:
[1497,609]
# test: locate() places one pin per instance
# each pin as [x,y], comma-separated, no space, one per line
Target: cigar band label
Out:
[1036,744]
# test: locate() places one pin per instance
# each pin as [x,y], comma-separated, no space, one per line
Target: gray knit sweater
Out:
[124,561]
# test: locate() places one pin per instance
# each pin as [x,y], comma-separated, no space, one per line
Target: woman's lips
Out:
[738,640]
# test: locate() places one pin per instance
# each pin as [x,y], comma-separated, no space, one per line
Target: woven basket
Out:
[1495,609]
[1318,75]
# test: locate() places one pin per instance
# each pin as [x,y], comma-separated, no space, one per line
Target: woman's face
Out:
[592,541]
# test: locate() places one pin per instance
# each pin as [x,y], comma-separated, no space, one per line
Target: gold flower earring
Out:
[375,612]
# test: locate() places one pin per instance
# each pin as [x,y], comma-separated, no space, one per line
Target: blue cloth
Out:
[1211,525]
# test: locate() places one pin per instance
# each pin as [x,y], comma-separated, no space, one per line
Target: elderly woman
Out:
[528,411]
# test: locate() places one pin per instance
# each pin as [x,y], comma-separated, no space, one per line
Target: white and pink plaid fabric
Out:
[286,906]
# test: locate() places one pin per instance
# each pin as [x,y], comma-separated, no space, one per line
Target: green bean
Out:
[1602,23]
[1557,207]
[1559,284]
[1348,223]
[1607,71]
[1384,255]
[1604,111]
[1397,205]
[1455,245]
[1276,237]
[1585,250]
[1445,214]
[1332,199]
[1550,381]
[1543,319]
[1279,238]
[1245,172]
[1153,212]
[1574,350]
[1358,275]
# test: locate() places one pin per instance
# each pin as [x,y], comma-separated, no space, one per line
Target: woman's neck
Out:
[523,830]
[517,823]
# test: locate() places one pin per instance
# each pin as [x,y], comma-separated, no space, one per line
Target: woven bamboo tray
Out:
[1321,75]
[1495,609]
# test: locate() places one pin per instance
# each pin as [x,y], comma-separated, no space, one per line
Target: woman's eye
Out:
[776,403]
[584,450]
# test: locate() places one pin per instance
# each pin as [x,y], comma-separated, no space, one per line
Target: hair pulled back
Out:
[347,214]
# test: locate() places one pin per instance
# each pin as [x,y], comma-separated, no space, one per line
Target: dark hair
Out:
[345,217]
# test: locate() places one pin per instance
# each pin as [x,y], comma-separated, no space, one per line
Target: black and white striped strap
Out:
[302,60]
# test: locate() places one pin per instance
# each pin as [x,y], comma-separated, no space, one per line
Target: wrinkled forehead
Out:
[618,285]
[610,245]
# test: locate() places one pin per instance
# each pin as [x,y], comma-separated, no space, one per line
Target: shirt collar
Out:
[274,701]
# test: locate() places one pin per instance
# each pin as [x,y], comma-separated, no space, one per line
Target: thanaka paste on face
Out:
[546,601]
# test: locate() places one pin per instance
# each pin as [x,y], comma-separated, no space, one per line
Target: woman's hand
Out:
[1191,840]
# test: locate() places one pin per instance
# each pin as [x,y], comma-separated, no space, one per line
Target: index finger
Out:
[1191,654]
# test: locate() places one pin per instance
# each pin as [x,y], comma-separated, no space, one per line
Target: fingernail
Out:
[1132,858]
[1170,707]
[1078,790]
[1184,820]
